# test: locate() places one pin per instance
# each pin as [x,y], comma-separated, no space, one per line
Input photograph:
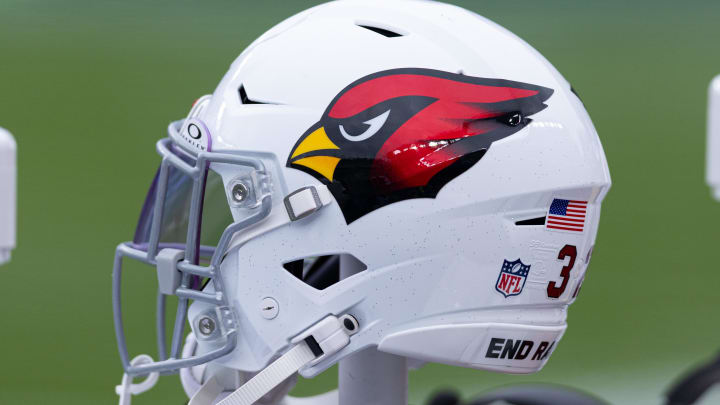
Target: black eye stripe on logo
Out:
[194,131]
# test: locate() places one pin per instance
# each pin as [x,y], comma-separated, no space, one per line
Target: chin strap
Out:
[324,339]
[274,374]
[208,392]
[127,389]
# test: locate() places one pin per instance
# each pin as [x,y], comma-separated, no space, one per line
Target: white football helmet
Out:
[448,166]
[7,194]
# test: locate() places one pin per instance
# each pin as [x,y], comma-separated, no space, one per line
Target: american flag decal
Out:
[567,215]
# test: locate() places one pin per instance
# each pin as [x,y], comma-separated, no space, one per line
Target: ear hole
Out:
[319,272]
[380,30]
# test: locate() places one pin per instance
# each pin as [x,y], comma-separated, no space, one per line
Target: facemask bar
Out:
[226,322]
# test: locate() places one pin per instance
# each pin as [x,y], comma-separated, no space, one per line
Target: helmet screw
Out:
[240,192]
[269,308]
[206,325]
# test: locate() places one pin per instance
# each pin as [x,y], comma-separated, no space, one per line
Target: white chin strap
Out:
[191,378]
[314,345]
[258,386]
[325,338]
[127,389]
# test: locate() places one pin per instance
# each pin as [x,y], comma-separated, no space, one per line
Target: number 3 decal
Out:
[553,291]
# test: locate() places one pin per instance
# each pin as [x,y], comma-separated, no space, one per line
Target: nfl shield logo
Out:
[512,278]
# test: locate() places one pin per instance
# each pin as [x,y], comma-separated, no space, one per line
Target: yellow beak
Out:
[308,153]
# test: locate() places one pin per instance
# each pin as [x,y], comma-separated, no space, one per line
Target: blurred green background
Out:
[88,86]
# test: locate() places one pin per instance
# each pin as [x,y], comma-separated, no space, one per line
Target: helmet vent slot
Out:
[380,30]
[245,99]
[532,221]
[319,272]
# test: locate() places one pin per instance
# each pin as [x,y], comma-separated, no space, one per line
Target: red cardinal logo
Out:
[405,133]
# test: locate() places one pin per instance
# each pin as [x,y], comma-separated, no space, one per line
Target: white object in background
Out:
[7,194]
[713,152]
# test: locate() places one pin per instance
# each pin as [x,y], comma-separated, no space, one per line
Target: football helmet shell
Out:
[442,152]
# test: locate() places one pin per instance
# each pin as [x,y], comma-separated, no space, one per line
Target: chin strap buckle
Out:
[306,201]
[323,339]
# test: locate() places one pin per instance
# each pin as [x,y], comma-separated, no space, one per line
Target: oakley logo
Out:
[194,131]
[193,136]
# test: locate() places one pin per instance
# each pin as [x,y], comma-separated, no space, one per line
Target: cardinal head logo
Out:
[405,133]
